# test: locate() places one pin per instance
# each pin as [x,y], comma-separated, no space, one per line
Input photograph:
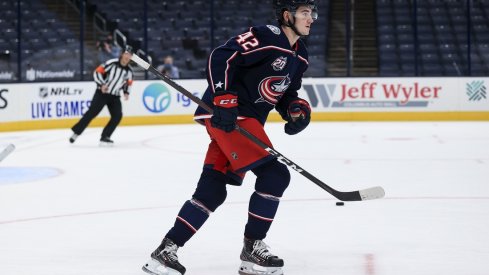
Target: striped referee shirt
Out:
[118,78]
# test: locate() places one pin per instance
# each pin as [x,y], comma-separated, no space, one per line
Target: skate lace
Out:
[261,249]
[171,251]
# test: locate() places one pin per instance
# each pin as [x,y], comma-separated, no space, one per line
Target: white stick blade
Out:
[9,149]
[140,61]
[372,193]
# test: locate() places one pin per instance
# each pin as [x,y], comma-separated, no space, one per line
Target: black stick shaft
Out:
[344,196]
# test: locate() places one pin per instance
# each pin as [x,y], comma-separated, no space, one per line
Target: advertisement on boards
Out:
[397,94]
[474,94]
[65,100]
[150,98]
[156,98]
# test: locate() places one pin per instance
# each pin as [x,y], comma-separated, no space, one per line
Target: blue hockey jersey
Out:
[261,66]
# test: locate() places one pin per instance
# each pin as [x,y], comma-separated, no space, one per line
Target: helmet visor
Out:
[306,13]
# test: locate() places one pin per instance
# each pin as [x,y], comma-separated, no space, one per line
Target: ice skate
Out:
[73,138]
[164,260]
[106,142]
[257,260]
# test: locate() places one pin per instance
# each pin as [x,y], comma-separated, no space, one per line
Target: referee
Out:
[113,78]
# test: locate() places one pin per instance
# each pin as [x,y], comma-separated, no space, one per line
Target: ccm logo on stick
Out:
[284,160]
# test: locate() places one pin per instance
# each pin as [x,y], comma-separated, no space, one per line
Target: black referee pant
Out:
[98,102]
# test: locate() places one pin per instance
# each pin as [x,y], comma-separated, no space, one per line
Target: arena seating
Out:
[435,43]
[183,29]
[441,28]
[47,43]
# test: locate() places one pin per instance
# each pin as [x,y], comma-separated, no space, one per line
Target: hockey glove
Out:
[299,116]
[225,111]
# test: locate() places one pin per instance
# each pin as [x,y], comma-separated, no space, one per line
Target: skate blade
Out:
[154,267]
[106,144]
[248,268]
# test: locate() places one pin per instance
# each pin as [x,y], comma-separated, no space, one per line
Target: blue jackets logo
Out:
[156,98]
[272,88]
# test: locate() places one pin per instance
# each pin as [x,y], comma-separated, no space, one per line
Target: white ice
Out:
[85,210]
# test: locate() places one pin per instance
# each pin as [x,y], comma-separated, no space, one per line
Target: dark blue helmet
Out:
[280,6]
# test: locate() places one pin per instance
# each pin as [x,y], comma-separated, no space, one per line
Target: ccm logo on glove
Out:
[225,111]
[226,100]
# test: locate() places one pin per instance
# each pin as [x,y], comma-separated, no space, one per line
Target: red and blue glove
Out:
[225,112]
[298,116]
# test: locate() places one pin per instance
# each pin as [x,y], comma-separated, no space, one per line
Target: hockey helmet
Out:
[280,6]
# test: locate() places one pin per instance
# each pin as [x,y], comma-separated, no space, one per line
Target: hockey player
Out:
[248,76]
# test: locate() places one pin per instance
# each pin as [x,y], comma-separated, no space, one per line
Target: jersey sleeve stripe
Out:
[210,71]
[303,59]
[227,69]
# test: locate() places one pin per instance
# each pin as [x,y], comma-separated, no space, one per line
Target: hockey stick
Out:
[5,152]
[365,194]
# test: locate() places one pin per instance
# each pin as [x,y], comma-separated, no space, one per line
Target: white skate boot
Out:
[257,260]
[164,260]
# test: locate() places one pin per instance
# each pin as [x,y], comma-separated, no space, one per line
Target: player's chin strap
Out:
[292,26]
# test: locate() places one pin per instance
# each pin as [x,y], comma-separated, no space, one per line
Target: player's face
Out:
[304,17]
[125,58]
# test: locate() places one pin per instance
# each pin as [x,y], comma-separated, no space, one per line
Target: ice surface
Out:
[79,209]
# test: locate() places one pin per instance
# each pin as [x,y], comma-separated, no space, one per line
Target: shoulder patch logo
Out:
[279,63]
[274,29]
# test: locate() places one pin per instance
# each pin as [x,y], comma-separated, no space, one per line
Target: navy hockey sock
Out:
[261,211]
[210,193]
[272,180]
[190,218]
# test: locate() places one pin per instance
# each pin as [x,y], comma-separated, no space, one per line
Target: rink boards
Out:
[47,105]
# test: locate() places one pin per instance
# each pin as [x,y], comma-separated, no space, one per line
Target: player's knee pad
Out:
[211,189]
[272,178]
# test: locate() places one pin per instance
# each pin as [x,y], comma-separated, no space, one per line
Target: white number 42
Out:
[247,40]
